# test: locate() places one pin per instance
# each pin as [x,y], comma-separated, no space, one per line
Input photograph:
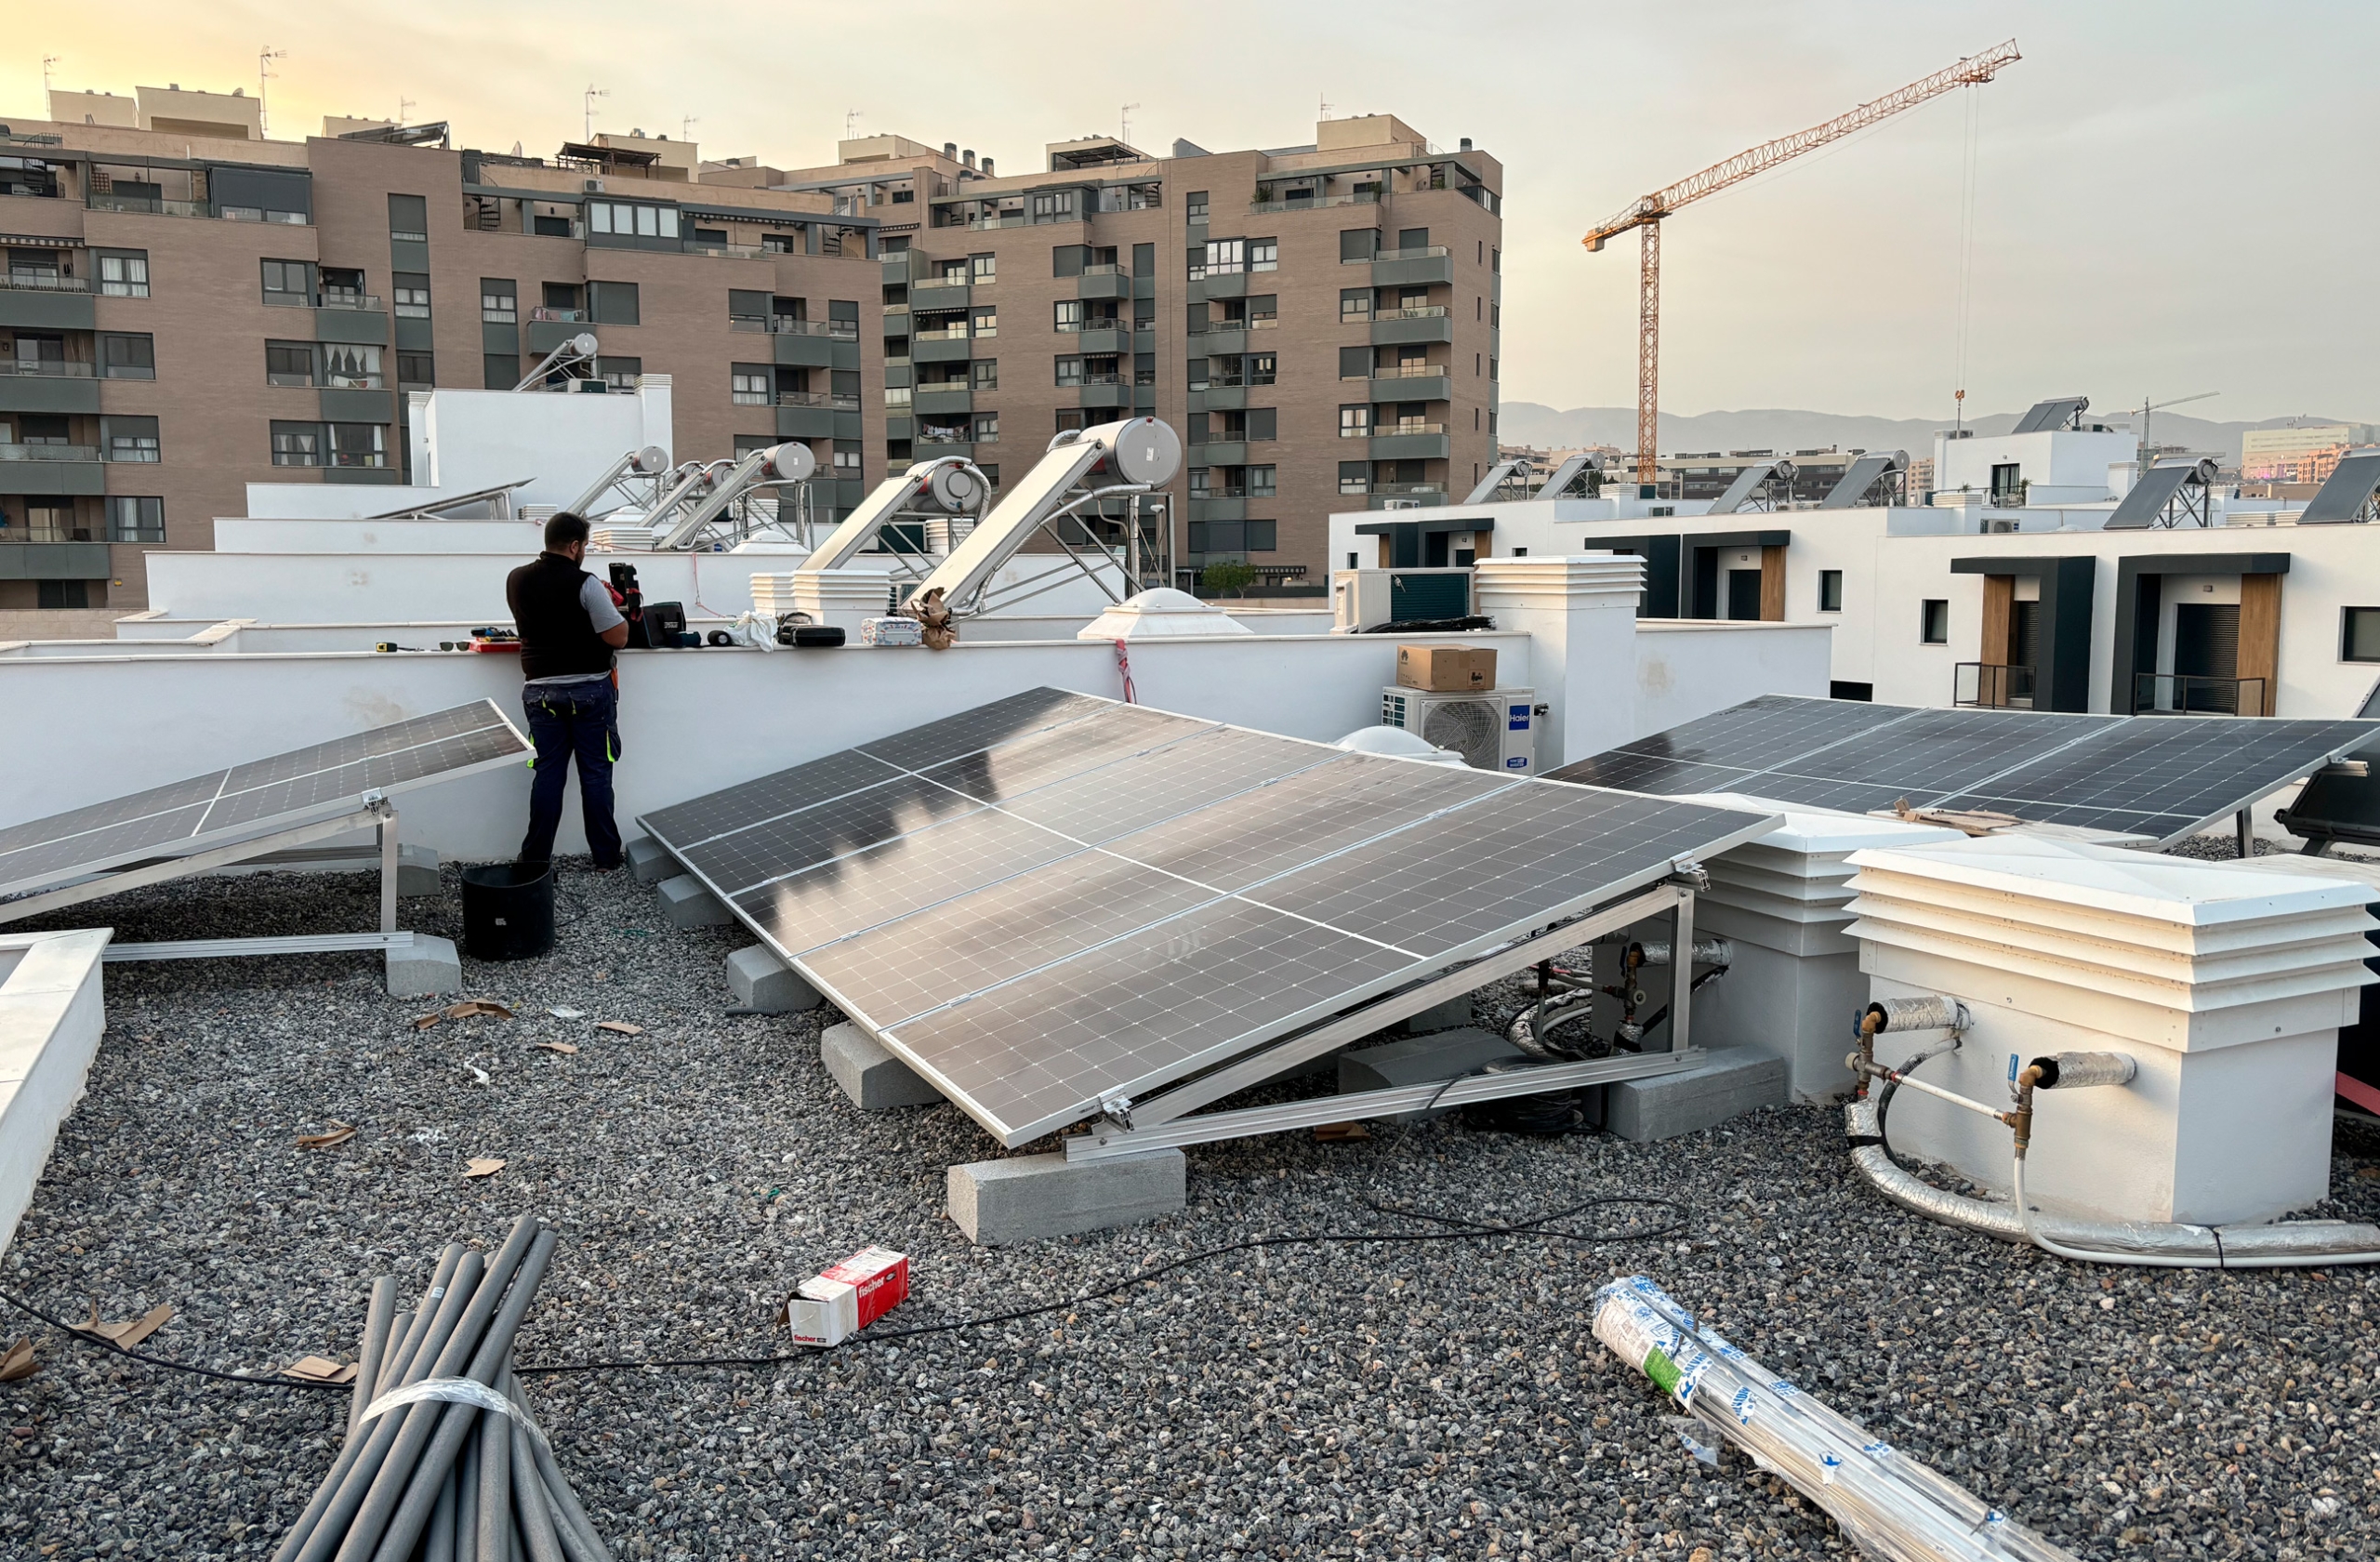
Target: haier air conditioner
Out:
[1496,730]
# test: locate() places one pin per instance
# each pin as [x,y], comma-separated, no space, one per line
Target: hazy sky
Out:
[2168,197]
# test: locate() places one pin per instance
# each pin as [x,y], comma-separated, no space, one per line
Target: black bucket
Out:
[508,910]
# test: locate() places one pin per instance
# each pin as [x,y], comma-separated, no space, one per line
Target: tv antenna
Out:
[686,127]
[593,92]
[404,106]
[1322,107]
[46,61]
[265,73]
[1124,123]
[850,125]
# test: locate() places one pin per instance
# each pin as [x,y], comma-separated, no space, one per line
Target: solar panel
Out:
[2159,776]
[207,810]
[1114,896]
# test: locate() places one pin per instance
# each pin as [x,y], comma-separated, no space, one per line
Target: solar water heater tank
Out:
[1494,730]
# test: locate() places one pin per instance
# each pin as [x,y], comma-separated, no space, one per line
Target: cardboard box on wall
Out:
[1446,668]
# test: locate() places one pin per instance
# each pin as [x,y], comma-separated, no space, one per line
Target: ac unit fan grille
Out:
[1472,728]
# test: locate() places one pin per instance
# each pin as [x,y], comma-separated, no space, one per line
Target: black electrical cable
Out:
[1465,1228]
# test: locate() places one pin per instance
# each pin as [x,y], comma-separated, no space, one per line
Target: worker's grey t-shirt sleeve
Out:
[596,600]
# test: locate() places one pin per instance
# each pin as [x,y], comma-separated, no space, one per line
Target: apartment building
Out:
[189,306]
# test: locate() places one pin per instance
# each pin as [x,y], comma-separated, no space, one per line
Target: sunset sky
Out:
[2168,198]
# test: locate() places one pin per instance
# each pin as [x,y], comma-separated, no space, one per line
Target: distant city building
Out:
[2306,454]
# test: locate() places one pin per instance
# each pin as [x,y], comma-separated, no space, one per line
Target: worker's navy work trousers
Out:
[581,720]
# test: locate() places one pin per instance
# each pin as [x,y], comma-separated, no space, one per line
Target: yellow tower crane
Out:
[1646,214]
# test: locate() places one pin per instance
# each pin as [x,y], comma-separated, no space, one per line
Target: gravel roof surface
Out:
[1442,1400]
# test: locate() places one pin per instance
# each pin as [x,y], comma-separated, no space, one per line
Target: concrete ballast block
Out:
[1025,1199]
[688,905]
[1454,1012]
[1422,1060]
[874,1079]
[762,982]
[429,966]
[650,862]
[416,871]
[1728,1082]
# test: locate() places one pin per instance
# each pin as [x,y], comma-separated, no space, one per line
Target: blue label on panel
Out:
[1518,761]
[1517,718]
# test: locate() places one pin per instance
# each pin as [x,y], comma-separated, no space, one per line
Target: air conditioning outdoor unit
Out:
[1496,730]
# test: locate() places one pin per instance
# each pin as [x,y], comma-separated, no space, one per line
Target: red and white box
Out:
[845,1298]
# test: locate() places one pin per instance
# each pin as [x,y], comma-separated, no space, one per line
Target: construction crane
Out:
[1646,214]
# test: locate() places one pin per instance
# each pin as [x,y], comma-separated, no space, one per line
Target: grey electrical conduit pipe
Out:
[2149,1244]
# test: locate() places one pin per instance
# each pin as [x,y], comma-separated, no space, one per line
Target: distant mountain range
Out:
[1784,429]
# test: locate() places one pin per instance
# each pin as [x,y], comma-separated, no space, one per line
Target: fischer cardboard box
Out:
[844,1298]
[1446,668]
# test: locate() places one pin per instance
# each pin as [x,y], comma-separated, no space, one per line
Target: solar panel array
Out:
[2159,776]
[224,804]
[1055,900]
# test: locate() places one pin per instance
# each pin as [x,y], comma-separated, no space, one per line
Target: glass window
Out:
[359,445]
[1354,477]
[351,366]
[127,357]
[1070,314]
[1260,367]
[846,458]
[1194,206]
[136,518]
[1830,590]
[620,373]
[751,385]
[499,300]
[986,321]
[288,282]
[2360,634]
[1201,482]
[1934,621]
[1070,371]
[500,371]
[613,303]
[984,374]
[987,427]
[409,217]
[1354,422]
[1356,303]
[1264,255]
[129,439]
[984,268]
[409,292]
[1262,536]
[416,371]
[1224,255]
[342,285]
[1262,482]
[124,273]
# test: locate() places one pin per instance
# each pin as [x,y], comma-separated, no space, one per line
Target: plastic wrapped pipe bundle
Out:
[1889,1504]
[443,1460]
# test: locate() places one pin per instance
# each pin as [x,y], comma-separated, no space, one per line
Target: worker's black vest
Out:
[557,638]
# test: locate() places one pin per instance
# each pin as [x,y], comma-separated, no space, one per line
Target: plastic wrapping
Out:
[1890,1505]
[1929,1011]
[2076,1070]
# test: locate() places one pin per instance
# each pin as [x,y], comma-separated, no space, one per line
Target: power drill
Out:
[629,599]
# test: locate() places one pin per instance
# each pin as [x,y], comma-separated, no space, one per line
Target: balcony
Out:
[1100,336]
[896,268]
[46,556]
[147,205]
[548,314]
[51,469]
[1106,391]
[1222,394]
[1398,328]
[939,347]
[1312,202]
[932,293]
[46,368]
[1103,283]
[1219,504]
[1993,685]
[942,401]
[48,385]
[775,324]
[44,281]
[1412,268]
[2172,694]
[1222,453]
[371,301]
[838,400]
[1429,383]
[1409,441]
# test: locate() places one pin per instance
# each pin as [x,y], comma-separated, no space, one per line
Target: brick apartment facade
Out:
[188,307]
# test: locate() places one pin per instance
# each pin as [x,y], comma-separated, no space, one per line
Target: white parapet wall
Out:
[1784,901]
[2227,989]
[51,1014]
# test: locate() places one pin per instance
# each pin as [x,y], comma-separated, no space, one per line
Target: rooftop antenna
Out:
[850,125]
[1124,123]
[46,61]
[686,127]
[593,92]
[404,106]
[1959,425]
[265,73]
[1322,107]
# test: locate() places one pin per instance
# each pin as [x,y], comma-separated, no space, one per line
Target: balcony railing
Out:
[1387,430]
[787,325]
[47,368]
[1097,323]
[1425,311]
[1252,323]
[1365,199]
[1993,684]
[352,301]
[1226,490]
[948,332]
[1095,379]
[1424,252]
[1111,269]
[2172,694]
[1404,371]
[1402,490]
[841,401]
[48,453]
[931,435]
[896,395]
[153,206]
[44,282]
[550,314]
[729,251]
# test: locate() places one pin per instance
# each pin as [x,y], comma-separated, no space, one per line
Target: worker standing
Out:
[570,629]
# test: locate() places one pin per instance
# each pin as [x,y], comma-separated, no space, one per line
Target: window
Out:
[135,519]
[128,439]
[1225,255]
[127,357]
[1070,314]
[343,285]
[291,366]
[499,300]
[1145,260]
[409,293]
[983,374]
[614,303]
[1260,537]
[746,444]
[124,273]
[1354,305]
[500,371]
[359,445]
[991,471]
[631,221]
[1356,422]
[1262,482]
[351,366]
[1264,423]
[416,371]
[1411,238]
[985,320]
[1260,367]
[847,458]
[560,296]
[790,243]
[1934,621]
[1053,206]
[409,217]
[1070,371]
[2360,634]
[1194,206]
[1144,368]
[1264,255]
[950,273]
[288,282]
[42,428]
[1201,481]
[751,385]
[1830,590]
[843,317]
[983,269]
[1074,419]
[620,373]
[1357,244]
[986,430]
